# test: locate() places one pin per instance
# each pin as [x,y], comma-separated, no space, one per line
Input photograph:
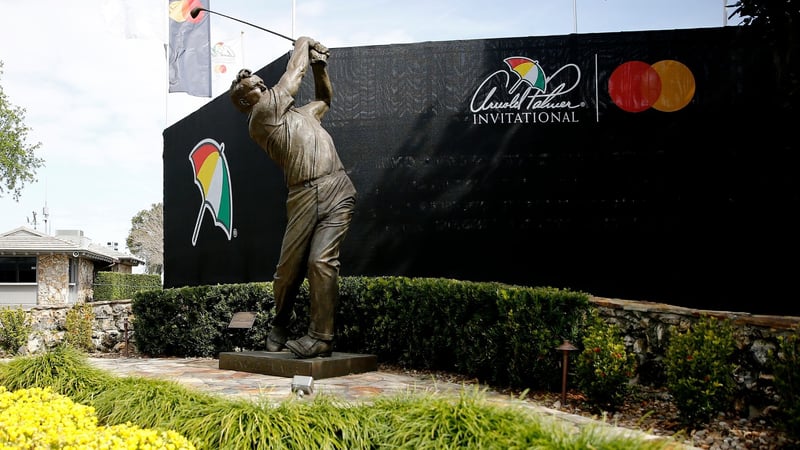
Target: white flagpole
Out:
[724,13]
[574,17]
[241,48]
[293,4]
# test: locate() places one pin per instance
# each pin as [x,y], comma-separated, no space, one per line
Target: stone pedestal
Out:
[286,364]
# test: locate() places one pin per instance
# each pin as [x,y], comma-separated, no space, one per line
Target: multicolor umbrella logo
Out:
[179,10]
[528,70]
[212,176]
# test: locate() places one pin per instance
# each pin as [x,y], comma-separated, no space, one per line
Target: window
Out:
[18,270]
[73,270]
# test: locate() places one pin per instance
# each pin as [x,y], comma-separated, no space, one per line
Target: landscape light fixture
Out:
[565,348]
[302,385]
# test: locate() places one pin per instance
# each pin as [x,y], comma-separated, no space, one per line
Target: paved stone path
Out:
[205,375]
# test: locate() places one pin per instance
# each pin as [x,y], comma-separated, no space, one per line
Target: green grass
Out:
[407,421]
[64,368]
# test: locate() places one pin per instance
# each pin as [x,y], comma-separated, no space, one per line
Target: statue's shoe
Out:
[309,347]
[276,341]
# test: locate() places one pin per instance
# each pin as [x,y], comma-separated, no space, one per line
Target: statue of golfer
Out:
[321,196]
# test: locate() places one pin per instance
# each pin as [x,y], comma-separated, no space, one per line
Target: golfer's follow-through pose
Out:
[321,196]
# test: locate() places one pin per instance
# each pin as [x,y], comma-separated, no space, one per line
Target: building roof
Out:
[24,241]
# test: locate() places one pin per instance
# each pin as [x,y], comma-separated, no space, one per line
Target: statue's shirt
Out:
[293,138]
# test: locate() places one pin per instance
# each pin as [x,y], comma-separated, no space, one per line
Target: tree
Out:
[777,22]
[18,162]
[778,14]
[146,238]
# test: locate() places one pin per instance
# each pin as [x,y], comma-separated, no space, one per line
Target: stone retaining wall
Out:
[647,328]
[111,326]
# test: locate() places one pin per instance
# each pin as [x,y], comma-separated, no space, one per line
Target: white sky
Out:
[98,102]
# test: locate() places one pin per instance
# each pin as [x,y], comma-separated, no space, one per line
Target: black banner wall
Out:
[645,165]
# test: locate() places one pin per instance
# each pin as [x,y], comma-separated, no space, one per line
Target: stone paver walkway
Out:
[205,375]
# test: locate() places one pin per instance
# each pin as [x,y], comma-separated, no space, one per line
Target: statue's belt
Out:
[315,181]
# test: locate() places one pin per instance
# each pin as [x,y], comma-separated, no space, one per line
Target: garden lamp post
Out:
[565,348]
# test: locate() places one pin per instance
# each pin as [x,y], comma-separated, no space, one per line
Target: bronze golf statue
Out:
[321,197]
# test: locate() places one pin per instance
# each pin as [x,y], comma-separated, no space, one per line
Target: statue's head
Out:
[246,90]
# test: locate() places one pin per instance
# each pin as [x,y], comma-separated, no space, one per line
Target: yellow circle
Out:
[677,85]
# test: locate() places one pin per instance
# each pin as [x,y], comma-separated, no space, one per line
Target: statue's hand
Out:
[318,57]
[321,49]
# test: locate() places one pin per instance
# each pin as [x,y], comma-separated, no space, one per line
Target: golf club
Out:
[197,10]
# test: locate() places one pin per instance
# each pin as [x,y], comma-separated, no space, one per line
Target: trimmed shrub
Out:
[604,367]
[15,328]
[785,364]
[122,286]
[700,370]
[79,322]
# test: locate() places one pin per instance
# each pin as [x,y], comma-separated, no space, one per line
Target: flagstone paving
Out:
[205,375]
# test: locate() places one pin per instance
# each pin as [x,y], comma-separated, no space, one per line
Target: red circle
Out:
[634,86]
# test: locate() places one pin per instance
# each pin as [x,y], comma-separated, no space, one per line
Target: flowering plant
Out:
[604,367]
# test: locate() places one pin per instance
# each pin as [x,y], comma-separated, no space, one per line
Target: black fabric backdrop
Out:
[694,207]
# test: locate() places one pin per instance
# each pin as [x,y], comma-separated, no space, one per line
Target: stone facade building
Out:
[37,269]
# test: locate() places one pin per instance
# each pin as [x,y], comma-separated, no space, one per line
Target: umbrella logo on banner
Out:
[528,70]
[212,176]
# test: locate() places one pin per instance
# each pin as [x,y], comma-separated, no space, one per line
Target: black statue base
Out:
[286,364]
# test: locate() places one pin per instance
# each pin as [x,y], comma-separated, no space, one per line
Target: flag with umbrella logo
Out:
[212,176]
[528,70]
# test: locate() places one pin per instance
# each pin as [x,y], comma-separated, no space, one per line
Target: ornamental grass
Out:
[413,420]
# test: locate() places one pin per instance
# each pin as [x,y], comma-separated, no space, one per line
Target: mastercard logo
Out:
[665,86]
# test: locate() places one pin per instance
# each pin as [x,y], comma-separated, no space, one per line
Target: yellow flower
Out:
[40,418]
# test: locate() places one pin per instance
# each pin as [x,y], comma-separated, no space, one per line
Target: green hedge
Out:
[495,332]
[193,321]
[122,286]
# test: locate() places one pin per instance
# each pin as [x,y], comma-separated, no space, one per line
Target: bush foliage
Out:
[79,322]
[700,369]
[122,286]
[15,329]
[604,367]
[786,370]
